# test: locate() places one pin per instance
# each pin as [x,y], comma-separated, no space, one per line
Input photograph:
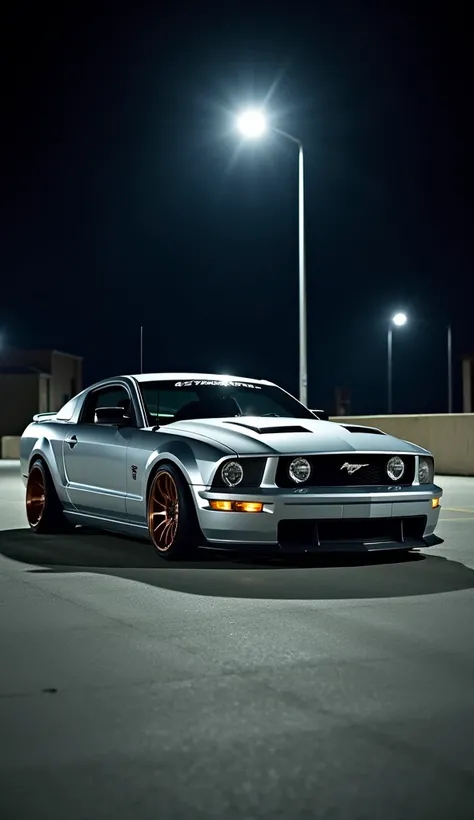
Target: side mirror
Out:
[114,416]
[321,414]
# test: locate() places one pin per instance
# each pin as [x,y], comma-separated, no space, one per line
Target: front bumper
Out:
[323,519]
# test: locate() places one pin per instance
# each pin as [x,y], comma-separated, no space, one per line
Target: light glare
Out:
[252,123]
[399,319]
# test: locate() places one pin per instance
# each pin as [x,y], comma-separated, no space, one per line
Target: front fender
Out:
[195,462]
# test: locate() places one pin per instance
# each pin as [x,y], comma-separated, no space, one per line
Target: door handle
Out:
[72,441]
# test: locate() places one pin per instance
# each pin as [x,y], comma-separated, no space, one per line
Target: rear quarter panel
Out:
[45,440]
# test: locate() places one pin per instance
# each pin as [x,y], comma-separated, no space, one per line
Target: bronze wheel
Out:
[163,511]
[35,496]
[172,521]
[43,508]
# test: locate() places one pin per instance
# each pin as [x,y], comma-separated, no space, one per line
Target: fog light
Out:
[237,506]
[435,503]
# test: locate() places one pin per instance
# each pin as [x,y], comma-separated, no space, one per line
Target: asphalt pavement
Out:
[335,688]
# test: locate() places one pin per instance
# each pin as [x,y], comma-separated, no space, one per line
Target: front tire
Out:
[172,523]
[43,507]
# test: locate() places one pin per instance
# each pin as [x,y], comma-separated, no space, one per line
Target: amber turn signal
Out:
[248,506]
[435,503]
[237,506]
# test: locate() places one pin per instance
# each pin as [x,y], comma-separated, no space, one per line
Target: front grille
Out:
[327,471]
[296,533]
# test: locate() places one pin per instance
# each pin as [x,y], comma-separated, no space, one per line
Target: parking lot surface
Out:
[339,687]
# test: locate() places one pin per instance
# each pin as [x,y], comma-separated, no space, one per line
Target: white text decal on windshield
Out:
[201,382]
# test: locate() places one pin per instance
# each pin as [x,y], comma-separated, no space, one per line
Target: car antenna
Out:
[141,349]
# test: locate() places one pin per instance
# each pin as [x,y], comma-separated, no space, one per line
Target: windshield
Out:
[168,401]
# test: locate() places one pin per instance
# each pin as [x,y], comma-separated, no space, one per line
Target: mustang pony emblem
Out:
[352,468]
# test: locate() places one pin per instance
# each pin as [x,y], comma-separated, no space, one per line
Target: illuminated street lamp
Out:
[253,124]
[398,319]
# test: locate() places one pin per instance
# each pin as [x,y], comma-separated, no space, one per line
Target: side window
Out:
[114,396]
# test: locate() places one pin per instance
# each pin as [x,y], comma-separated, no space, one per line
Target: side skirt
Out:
[111,524]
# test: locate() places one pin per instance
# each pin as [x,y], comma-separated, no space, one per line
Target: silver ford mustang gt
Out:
[191,460]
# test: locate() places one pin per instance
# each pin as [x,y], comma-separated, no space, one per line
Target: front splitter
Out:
[326,547]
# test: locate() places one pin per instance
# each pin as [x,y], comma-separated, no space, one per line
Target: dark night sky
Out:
[127,198]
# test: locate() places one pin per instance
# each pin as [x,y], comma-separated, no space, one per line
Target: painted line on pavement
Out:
[455,519]
[457,509]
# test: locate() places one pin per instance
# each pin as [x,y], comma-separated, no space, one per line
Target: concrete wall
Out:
[19,400]
[450,437]
[10,447]
[65,371]
[44,392]
[66,379]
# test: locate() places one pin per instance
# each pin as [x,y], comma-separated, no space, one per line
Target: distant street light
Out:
[398,319]
[253,124]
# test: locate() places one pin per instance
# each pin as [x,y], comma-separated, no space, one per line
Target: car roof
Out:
[152,377]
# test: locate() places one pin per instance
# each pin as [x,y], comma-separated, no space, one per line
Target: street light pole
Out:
[303,332]
[389,369]
[253,124]
[302,283]
[450,370]
[399,319]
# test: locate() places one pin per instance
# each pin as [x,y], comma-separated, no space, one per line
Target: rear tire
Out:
[171,516]
[43,507]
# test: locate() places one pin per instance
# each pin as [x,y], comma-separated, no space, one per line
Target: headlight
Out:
[426,471]
[299,470]
[232,473]
[395,468]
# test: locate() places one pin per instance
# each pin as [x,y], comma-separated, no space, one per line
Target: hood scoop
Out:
[354,428]
[288,428]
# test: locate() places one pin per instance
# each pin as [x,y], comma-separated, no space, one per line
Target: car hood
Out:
[255,435]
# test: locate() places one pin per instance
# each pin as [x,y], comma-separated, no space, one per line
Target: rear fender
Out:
[51,453]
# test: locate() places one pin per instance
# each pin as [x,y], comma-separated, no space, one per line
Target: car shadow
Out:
[313,577]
